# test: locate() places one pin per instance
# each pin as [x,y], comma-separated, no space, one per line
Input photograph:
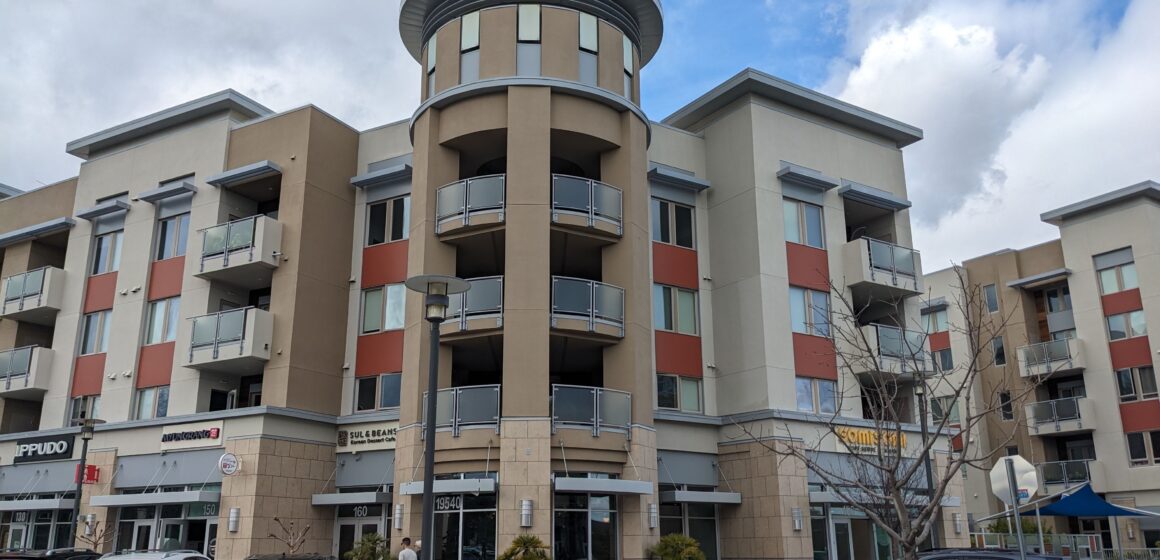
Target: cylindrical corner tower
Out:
[530,181]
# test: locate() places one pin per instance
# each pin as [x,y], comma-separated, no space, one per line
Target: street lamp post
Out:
[436,289]
[88,426]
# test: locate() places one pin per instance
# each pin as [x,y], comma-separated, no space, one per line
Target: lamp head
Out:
[437,288]
[88,426]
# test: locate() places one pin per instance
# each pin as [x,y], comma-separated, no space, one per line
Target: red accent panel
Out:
[88,373]
[165,278]
[100,291]
[1140,416]
[679,353]
[957,439]
[155,366]
[379,353]
[1130,352]
[808,267]
[384,264]
[675,266]
[814,356]
[1122,302]
[939,340]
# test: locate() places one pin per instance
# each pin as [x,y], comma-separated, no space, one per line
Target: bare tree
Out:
[98,537]
[292,537]
[886,477]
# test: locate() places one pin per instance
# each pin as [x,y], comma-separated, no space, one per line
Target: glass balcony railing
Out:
[892,258]
[1046,352]
[15,366]
[459,201]
[595,302]
[1065,472]
[591,407]
[219,329]
[19,287]
[906,346]
[460,407]
[596,201]
[1058,410]
[224,239]
[485,298]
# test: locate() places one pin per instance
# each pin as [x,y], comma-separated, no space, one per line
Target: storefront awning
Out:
[603,486]
[691,497]
[22,505]
[350,498]
[452,486]
[156,498]
[830,497]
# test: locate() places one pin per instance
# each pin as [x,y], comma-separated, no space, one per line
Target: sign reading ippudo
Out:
[866,440]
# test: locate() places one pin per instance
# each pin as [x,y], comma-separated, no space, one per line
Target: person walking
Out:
[407,553]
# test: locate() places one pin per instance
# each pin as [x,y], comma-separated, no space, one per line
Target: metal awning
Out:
[1040,279]
[691,497]
[830,497]
[22,505]
[36,231]
[155,498]
[934,304]
[244,174]
[451,486]
[383,176]
[350,498]
[603,486]
[872,196]
[171,190]
[103,209]
[806,177]
[674,177]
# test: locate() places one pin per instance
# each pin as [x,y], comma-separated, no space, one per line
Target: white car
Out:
[156,555]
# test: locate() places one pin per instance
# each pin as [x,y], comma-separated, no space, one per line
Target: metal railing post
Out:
[217,334]
[591,203]
[201,266]
[592,307]
[466,201]
[596,412]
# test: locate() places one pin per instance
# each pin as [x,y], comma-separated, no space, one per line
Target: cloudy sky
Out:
[1026,104]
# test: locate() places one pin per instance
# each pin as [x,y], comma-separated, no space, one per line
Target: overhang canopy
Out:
[603,486]
[155,498]
[245,174]
[872,196]
[1085,503]
[170,190]
[806,177]
[391,174]
[675,177]
[693,497]
[22,505]
[451,486]
[103,209]
[350,498]
[29,233]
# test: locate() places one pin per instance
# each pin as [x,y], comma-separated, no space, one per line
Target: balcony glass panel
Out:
[450,200]
[903,260]
[573,405]
[609,303]
[14,287]
[15,362]
[1055,411]
[241,233]
[214,240]
[571,296]
[606,201]
[204,330]
[891,257]
[485,296]
[890,341]
[570,193]
[615,409]
[1066,409]
[478,405]
[485,193]
[1046,352]
[1065,472]
[231,325]
[881,254]
[444,407]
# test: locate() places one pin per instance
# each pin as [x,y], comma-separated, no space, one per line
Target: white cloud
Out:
[1026,106]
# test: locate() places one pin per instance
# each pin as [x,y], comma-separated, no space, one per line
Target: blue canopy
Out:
[1085,503]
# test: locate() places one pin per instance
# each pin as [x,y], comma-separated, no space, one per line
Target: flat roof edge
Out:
[1145,189]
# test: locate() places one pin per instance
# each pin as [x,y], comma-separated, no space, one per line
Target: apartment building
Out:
[223,286]
[1073,358]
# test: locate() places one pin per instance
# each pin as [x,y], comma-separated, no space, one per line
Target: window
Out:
[164,316]
[1012,450]
[674,309]
[589,47]
[389,220]
[1006,407]
[585,525]
[698,521]
[464,523]
[804,223]
[672,223]
[95,334]
[1144,448]
[1058,299]
[1136,383]
[469,48]
[377,392]
[1127,325]
[944,360]
[106,253]
[382,308]
[152,402]
[679,393]
[1063,335]
[528,40]
[817,395]
[944,407]
[991,297]
[627,43]
[999,351]
[172,235]
[809,311]
[431,58]
[936,321]
[85,407]
[1118,278]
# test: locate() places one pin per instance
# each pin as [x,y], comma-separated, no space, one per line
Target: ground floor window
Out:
[187,526]
[464,523]
[698,521]
[36,529]
[585,526]
[820,532]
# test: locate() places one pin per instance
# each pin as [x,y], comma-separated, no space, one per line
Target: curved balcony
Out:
[1059,417]
[1054,356]
[587,204]
[235,341]
[591,408]
[887,270]
[242,252]
[894,351]
[24,372]
[33,296]
[469,204]
[460,408]
[587,306]
[477,309]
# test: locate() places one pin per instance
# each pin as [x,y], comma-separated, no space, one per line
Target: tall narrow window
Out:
[944,407]
[152,402]
[469,48]
[389,220]
[172,235]
[628,67]
[589,47]
[1006,408]
[85,407]
[672,223]
[382,308]
[674,309]
[803,223]
[991,298]
[164,315]
[809,311]
[528,40]
[999,351]
[936,321]
[95,332]
[431,58]
[1136,383]
[107,252]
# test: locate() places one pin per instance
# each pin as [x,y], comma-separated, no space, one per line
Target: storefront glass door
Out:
[172,535]
[843,540]
[142,535]
[16,535]
[883,547]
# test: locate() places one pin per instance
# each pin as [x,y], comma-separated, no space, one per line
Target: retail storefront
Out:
[36,493]
[690,500]
[465,514]
[363,480]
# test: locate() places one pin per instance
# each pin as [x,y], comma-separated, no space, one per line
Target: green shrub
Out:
[526,547]
[677,547]
[371,547]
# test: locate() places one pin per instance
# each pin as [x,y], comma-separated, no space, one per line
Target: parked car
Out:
[983,554]
[155,555]
[55,554]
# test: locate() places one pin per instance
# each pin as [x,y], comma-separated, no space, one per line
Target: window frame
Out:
[156,410]
[937,356]
[939,404]
[815,387]
[803,222]
[1118,275]
[1062,293]
[680,381]
[998,350]
[388,220]
[932,321]
[179,243]
[1006,406]
[1129,330]
[101,345]
[170,320]
[1136,376]
[672,295]
[991,298]
[90,405]
[386,290]
[666,210]
[112,259]
[378,393]
[807,299]
[1149,438]
[595,23]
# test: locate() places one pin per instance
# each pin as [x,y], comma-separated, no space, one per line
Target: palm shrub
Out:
[371,547]
[526,547]
[677,547]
